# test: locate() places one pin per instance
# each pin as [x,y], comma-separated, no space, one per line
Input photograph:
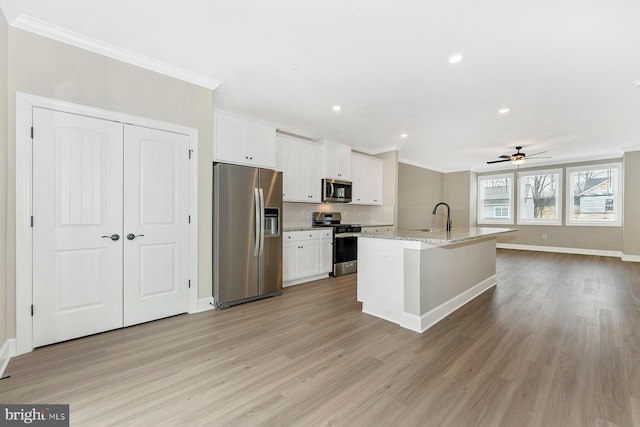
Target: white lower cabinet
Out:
[326,254]
[306,256]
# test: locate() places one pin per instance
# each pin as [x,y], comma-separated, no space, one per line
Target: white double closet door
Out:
[110,225]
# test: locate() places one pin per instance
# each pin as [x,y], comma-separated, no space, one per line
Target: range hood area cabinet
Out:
[336,160]
[301,169]
[243,140]
[366,174]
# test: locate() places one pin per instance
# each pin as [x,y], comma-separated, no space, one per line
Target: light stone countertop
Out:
[440,237]
[299,228]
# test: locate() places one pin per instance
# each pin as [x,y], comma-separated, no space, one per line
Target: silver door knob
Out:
[132,236]
[113,237]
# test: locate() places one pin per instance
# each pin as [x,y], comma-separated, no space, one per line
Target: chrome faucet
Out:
[448,214]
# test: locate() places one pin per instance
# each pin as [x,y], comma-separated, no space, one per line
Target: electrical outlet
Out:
[544,237]
[386,256]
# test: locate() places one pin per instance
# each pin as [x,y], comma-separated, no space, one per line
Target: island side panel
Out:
[380,285]
[453,275]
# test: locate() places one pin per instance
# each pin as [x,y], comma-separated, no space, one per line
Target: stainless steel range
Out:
[345,242]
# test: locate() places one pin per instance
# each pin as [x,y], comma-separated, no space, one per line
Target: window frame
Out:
[618,195]
[521,194]
[480,202]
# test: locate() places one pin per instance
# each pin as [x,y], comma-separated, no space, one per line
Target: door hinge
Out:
[31,132]
[189,219]
[189,283]
[31,221]
[190,151]
[31,310]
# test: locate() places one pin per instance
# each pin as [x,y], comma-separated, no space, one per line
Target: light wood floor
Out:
[557,343]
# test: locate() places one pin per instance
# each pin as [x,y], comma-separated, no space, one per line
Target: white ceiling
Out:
[566,69]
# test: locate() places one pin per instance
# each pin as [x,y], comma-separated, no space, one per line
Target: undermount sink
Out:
[430,230]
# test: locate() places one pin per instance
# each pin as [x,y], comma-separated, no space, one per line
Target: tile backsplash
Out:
[299,214]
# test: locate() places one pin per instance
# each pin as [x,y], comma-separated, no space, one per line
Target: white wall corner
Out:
[205,304]
[9,9]
[631,258]
[7,350]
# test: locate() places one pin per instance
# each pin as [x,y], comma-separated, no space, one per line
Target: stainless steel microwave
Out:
[337,191]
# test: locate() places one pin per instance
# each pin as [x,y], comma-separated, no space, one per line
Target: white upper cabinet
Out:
[243,140]
[337,160]
[366,174]
[299,162]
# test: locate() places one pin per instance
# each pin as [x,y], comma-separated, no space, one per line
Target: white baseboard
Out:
[7,350]
[305,280]
[435,315]
[205,304]
[557,249]
[632,258]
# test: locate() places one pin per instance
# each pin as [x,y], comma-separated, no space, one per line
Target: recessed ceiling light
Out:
[403,135]
[455,58]
[504,110]
[336,108]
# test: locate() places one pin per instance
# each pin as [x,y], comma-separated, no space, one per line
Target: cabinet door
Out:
[260,145]
[374,178]
[309,177]
[231,133]
[288,164]
[309,258]
[290,260]
[359,191]
[326,255]
[337,160]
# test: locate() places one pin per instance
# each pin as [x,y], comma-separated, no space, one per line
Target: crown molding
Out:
[46,29]
[376,150]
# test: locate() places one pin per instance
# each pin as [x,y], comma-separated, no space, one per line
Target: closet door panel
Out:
[77,212]
[156,224]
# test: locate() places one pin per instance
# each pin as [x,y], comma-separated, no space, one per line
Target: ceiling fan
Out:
[518,157]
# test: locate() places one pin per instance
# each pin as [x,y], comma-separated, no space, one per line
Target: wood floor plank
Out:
[556,343]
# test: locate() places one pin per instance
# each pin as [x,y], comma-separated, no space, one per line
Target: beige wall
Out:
[44,67]
[457,193]
[419,190]
[631,235]
[5,305]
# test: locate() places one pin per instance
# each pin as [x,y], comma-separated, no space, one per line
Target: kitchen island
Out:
[416,278]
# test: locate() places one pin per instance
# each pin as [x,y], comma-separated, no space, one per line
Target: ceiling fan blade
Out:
[499,161]
[504,156]
[535,154]
[542,157]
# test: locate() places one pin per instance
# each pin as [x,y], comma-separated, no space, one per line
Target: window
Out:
[501,211]
[495,199]
[540,197]
[594,195]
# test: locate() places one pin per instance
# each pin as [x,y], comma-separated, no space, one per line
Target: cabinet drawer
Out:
[296,236]
[326,234]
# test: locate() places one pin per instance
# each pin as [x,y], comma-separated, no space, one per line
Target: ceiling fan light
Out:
[518,162]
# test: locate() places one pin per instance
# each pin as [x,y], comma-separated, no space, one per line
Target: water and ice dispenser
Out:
[271,222]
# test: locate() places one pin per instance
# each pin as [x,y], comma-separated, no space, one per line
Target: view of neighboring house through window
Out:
[594,195]
[495,199]
[540,197]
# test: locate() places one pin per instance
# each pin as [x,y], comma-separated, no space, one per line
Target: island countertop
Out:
[441,237]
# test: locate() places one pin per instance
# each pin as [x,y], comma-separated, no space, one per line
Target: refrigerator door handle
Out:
[256,204]
[261,222]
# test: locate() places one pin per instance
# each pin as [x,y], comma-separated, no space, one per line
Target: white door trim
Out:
[24,238]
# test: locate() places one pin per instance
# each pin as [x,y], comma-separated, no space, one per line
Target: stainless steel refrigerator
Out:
[247,238]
